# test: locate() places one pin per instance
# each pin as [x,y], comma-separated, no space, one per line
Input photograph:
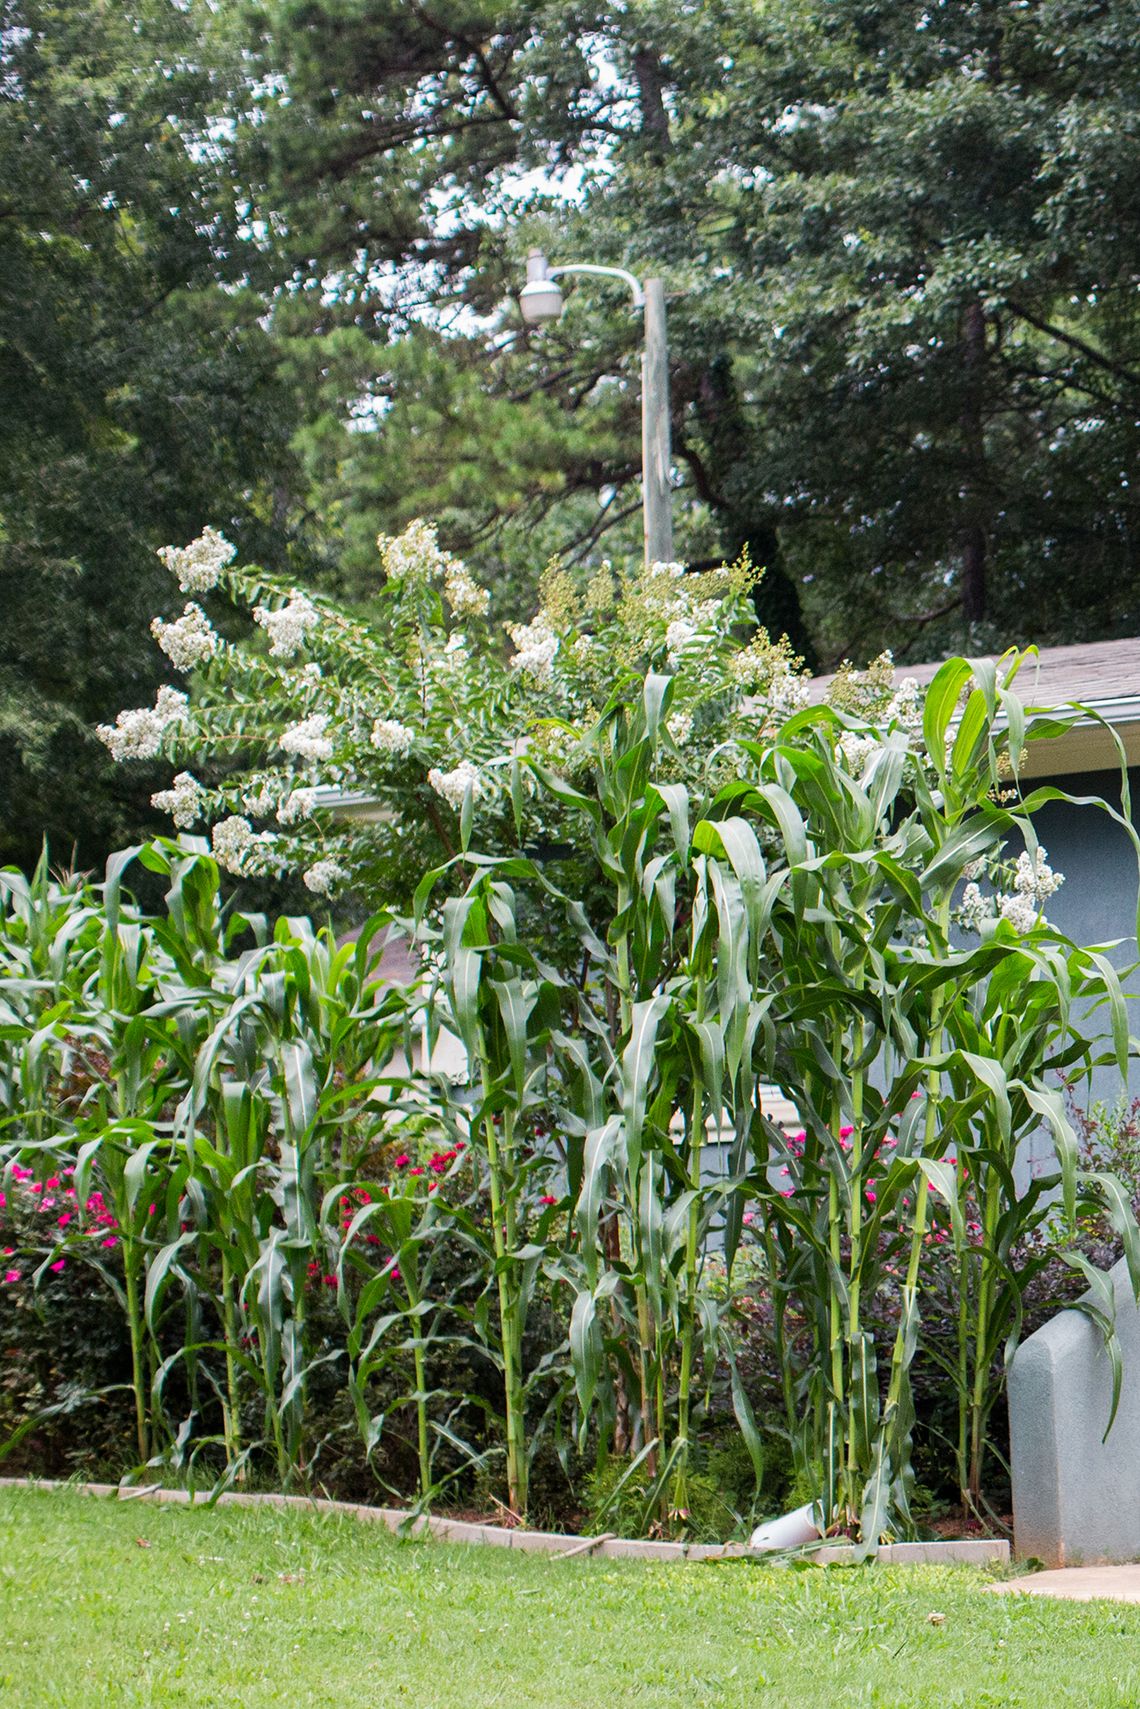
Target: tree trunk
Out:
[973,539]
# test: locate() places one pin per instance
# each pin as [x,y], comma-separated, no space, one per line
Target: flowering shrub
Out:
[423,713]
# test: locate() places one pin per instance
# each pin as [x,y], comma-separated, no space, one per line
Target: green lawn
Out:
[105,1604]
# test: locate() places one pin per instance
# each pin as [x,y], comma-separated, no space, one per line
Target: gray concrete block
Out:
[542,1542]
[629,1548]
[950,1551]
[1076,1497]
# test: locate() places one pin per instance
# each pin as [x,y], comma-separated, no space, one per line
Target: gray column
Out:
[656,448]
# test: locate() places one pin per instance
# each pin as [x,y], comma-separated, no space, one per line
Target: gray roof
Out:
[1102,675]
[1093,672]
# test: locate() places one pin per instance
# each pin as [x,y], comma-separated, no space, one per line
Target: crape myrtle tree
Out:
[901,248]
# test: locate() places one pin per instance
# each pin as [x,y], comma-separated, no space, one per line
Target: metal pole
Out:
[656,448]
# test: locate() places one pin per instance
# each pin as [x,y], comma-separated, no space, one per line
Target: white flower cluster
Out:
[680,727]
[323,877]
[537,644]
[974,908]
[414,555]
[137,734]
[240,849]
[462,592]
[199,565]
[389,736]
[183,800]
[189,640]
[307,739]
[299,804]
[288,625]
[453,785]
[1034,881]
[786,692]
[677,637]
[670,572]
[905,709]
[857,752]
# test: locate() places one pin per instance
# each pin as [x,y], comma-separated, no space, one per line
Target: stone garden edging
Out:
[980,1551]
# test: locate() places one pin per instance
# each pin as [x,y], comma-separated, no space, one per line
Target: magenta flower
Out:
[11,1275]
[60,1264]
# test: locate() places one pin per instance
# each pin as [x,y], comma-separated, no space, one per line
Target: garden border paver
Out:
[974,1551]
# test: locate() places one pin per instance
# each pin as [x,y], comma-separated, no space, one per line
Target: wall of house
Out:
[1097,902]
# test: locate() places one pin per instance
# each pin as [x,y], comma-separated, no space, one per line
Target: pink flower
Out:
[52,1183]
[871,1197]
[402,1161]
[60,1264]
[548,1199]
[415,1171]
[11,1275]
[394,1272]
[62,1221]
[111,1240]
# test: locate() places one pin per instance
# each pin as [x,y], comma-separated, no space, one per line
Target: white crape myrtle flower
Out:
[240,849]
[260,801]
[389,736]
[199,565]
[680,727]
[137,734]
[857,752]
[1035,878]
[677,637]
[787,693]
[414,555]
[190,640]
[1020,910]
[324,876]
[298,804]
[462,592]
[975,908]
[537,644]
[906,706]
[288,625]
[183,800]
[668,571]
[453,785]
[454,655]
[307,739]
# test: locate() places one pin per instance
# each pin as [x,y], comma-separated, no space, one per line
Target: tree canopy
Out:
[259,266]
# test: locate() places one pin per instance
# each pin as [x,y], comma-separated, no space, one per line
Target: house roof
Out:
[1102,675]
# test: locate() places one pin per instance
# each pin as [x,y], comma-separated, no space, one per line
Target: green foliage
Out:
[137,392]
[639,911]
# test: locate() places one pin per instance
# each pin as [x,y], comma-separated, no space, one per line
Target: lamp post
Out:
[541,300]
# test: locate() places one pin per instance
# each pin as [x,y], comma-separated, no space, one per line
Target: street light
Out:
[541,300]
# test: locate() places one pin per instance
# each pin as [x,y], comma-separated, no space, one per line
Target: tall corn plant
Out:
[635,1077]
[911,1057]
[502,1001]
[211,1094]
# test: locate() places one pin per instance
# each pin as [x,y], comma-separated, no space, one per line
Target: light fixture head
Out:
[540,300]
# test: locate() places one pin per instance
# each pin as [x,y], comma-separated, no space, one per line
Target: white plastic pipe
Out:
[790,1531]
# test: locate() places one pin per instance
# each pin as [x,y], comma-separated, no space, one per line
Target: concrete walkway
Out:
[1079,1584]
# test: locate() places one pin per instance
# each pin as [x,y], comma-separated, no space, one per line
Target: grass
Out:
[105,1604]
